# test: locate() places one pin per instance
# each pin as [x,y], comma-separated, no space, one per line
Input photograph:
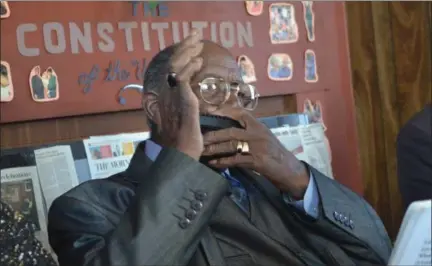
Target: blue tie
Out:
[239,194]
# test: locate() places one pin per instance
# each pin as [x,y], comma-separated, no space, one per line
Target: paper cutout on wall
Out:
[254,8]
[7,89]
[311,69]
[314,111]
[44,86]
[247,69]
[283,25]
[4,9]
[309,19]
[280,67]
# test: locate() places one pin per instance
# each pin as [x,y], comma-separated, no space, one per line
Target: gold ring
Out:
[245,149]
[240,147]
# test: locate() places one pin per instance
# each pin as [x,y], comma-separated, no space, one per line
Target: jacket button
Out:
[196,205]
[351,224]
[191,214]
[336,215]
[201,195]
[184,223]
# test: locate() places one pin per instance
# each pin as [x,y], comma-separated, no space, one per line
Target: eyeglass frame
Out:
[231,89]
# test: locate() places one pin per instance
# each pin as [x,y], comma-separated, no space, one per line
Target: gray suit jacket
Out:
[176,211]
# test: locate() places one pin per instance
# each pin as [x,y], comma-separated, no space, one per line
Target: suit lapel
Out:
[264,216]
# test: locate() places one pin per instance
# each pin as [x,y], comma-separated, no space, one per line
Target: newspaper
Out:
[414,243]
[108,155]
[20,188]
[57,173]
[308,143]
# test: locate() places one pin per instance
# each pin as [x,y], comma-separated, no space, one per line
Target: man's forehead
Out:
[223,67]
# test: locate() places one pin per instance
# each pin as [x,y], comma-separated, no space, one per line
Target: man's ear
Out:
[151,106]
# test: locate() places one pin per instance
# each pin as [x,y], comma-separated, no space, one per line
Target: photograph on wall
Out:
[283,25]
[314,112]
[311,74]
[44,86]
[254,8]
[309,19]
[280,67]
[7,89]
[4,9]
[247,69]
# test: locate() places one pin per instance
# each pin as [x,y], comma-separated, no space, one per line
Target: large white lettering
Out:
[160,27]
[22,47]
[127,27]
[82,39]
[48,30]
[105,30]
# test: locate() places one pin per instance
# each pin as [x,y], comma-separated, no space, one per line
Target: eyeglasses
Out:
[217,91]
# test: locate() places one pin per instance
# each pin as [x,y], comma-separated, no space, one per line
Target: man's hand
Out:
[179,106]
[266,156]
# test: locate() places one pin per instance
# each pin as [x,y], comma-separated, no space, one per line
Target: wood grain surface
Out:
[390,47]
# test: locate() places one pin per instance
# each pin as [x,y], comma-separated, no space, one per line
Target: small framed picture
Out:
[311,74]
[283,25]
[4,9]
[247,69]
[280,67]
[254,8]
[44,86]
[7,88]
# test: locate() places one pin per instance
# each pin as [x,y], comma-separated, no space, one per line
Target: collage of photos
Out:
[283,30]
[113,150]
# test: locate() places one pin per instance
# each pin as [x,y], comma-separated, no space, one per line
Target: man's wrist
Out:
[297,182]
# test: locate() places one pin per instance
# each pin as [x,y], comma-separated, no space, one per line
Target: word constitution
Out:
[91,37]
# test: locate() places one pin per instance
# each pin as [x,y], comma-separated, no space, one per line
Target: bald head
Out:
[217,62]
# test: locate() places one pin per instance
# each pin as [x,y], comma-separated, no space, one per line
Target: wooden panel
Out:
[390,47]
[103,95]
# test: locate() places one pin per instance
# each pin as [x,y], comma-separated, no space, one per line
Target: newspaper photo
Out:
[108,155]
[57,173]
[21,190]
[307,143]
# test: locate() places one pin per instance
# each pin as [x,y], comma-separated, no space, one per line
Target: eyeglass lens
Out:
[217,91]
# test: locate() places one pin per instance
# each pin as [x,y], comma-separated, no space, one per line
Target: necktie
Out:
[239,194]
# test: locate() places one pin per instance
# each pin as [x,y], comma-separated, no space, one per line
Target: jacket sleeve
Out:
[154,230]
[414,157]
[350,222]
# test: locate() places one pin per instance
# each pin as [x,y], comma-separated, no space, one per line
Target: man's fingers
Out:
[184,76]
[221,148]
[187,49]
[238,160]
[179,60]
[225,135]
[191,40]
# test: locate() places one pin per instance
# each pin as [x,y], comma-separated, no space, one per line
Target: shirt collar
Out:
[152,150]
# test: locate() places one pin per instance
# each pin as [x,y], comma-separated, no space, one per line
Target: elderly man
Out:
[249,202]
